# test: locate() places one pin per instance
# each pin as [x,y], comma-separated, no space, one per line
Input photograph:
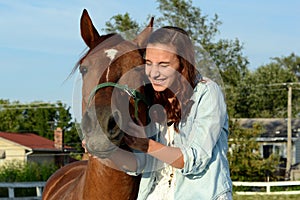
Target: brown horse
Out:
[113,92]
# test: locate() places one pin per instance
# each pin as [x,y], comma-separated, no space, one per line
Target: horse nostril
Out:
[113,124]
[113,120]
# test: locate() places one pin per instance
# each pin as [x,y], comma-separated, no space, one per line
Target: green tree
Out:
[245,160]
[264,92]
[291,62]
[122,24]
[40,118]
[9,116]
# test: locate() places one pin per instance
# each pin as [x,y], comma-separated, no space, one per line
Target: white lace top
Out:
[163,187]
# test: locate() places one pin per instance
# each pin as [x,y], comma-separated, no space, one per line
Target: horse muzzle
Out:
[101,131]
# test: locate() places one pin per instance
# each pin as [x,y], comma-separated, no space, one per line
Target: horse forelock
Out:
[105,42]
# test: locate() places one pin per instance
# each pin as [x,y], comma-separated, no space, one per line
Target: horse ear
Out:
[142,38]
[89,33]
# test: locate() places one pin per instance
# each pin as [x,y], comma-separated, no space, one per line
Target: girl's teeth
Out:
[157,82]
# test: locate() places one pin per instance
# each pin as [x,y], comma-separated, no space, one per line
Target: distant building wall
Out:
[297,151]
[11,151]
[42,157]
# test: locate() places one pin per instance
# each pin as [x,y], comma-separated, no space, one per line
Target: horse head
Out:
[113,88]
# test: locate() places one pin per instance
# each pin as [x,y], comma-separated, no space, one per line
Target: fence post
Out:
[11,192]
[38,191]
[268,188]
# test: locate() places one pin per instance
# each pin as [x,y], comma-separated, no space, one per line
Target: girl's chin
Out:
[158,88]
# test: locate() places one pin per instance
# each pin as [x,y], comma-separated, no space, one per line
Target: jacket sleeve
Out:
[206,122]
[145,162]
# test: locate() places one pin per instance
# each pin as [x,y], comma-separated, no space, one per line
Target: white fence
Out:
[268,186]
[11,189]
[40,185]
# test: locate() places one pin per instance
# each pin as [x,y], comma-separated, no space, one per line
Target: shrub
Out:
[17,171]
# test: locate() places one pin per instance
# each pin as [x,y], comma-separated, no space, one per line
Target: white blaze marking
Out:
[111,54]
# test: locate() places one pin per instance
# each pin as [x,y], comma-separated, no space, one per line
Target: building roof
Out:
[30,140]
[273,127]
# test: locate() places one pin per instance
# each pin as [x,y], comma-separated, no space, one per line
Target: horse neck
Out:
[102,176]
[101,167]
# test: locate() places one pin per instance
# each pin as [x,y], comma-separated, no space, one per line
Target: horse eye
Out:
[83,70]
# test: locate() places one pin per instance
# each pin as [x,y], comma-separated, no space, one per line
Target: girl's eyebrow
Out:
[162,62]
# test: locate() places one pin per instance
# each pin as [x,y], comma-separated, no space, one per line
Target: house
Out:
[29,147]
[274,137]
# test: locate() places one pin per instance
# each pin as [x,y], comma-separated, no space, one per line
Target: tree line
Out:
[40,118]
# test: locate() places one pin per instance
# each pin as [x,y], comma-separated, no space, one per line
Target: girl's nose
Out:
[154,72]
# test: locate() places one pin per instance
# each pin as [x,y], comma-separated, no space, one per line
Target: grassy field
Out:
[266,197]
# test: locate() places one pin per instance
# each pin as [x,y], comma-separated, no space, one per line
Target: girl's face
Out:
[161,66]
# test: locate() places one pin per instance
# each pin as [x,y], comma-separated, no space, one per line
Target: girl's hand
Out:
[136,138]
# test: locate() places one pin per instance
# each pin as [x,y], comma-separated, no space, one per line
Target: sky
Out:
[40,41]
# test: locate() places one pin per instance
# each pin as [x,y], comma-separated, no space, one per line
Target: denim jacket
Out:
[203,140]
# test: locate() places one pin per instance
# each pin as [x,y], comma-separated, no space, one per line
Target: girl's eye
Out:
[83,70]
[164,65]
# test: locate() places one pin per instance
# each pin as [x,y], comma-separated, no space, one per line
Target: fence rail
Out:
[268,186]
[11,189]
[40,185]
